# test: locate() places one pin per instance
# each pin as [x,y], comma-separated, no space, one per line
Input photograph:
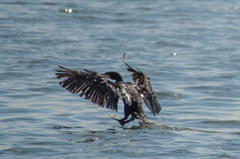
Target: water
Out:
[198,86]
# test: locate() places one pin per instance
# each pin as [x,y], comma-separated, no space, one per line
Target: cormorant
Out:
[96,88]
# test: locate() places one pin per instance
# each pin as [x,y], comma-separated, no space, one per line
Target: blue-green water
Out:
[198,86]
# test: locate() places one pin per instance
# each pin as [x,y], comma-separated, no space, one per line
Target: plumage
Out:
[105,93]
[143,83]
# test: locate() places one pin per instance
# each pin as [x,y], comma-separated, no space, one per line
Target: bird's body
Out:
[129,93]
[95,87]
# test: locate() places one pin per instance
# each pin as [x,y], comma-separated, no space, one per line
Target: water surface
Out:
[198,86]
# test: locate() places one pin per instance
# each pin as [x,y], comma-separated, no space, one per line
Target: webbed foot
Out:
[121,121]
[114,117]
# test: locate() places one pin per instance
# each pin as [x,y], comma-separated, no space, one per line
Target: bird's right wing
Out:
[143,83]
[91,84]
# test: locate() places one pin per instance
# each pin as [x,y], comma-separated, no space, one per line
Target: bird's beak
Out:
[106,76]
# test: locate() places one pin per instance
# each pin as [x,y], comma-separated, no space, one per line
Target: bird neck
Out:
[119,79]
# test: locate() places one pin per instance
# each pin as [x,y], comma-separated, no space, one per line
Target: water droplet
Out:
[68,10]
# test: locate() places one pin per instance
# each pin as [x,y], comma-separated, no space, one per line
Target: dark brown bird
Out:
[96,88]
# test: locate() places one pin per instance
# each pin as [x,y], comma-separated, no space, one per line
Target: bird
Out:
[107,88]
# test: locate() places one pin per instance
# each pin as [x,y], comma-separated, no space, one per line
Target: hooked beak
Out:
[106,76]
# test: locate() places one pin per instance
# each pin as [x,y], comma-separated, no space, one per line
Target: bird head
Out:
[113,75]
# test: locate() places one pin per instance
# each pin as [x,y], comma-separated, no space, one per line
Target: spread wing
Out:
[92,85]
[143,82]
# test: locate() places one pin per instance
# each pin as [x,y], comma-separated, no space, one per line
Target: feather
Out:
[92,85]
[145,88]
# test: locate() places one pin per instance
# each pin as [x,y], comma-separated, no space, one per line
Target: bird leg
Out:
[127,121]
[122,121]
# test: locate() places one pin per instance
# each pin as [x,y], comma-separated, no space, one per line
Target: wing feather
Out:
[90,85]
[145,88]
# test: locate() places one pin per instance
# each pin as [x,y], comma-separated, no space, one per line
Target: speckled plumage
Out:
[96,88]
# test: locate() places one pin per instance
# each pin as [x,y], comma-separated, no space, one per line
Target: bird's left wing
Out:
[90,84]
[143,83]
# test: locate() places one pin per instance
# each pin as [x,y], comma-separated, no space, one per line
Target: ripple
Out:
[167,94]
[20,119]
[198,88]
[25,151]
[58,127]
[236,133]
[222,122]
